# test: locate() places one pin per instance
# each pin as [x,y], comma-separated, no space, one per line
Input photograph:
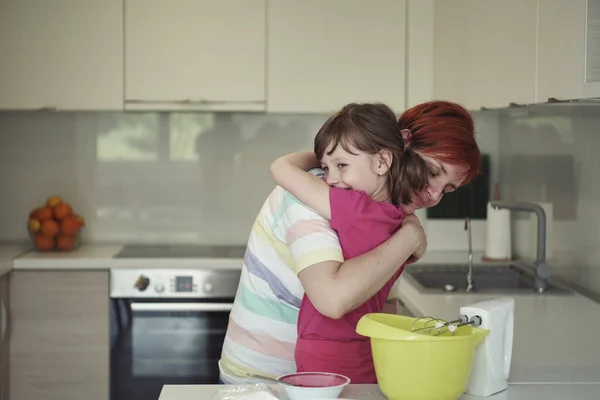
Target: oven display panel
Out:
[183,283]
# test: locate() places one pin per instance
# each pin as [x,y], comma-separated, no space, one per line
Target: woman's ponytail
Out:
[409,172]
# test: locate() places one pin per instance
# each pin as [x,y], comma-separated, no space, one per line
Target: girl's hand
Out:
[412,223]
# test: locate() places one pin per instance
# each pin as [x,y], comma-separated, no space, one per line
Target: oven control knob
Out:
[159,287]
[207,287]
[142,283]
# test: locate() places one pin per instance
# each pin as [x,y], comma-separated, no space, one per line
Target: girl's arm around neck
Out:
[337,288]
[290,172]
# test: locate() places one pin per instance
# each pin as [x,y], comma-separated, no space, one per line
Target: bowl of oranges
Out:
[54,226]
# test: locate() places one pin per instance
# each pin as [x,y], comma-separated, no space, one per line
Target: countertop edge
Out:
[92,256]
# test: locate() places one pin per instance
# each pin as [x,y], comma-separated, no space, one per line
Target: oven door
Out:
[167,341]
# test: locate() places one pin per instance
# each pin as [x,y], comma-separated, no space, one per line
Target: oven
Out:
[168,326]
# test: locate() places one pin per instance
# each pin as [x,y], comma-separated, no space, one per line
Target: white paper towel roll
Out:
[549,210]
[498,242]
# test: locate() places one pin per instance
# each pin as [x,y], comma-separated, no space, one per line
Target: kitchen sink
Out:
[500,278]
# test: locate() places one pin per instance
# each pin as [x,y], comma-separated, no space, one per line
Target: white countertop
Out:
[556,337]
[102,257]
[8,252]
[97,256]
[372,392]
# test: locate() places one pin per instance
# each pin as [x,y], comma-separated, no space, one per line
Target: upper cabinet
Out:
[592,48]
[198,54]
[561,49]
[296,56]
[61,54]
[485,52]
[324,54]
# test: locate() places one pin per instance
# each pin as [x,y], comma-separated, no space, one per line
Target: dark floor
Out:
[154,350]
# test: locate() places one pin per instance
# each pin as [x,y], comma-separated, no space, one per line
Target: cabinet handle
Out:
[3,321]
[182,307]
[191,101]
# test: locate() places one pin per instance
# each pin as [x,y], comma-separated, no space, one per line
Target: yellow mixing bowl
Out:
[413,366]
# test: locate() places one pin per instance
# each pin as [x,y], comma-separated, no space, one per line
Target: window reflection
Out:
[184,131]
[128,137]
[188,176]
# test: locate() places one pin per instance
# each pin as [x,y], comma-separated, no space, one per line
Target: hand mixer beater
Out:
[437,326]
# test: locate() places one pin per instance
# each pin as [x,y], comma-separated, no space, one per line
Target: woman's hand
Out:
[412,223]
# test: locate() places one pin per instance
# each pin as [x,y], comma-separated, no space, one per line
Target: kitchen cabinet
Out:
[195,54]
[61,54]
[420,51]
[485,52]
[59,347]
[325,54]
[4,337]
[561,49]
[592,47]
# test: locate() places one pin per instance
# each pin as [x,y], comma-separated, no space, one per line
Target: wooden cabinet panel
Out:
[325,54]
[59,346]
[63,54]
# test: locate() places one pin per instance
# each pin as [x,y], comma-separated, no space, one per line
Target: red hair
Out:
[445,131]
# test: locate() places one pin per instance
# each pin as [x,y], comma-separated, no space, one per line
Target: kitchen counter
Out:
[8,252]
[103,257]
[372,392]
[555,336]
[94,256]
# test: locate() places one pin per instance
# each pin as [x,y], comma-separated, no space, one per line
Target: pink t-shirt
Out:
[330,345]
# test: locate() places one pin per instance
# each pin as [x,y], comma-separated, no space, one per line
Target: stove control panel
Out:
[133,283]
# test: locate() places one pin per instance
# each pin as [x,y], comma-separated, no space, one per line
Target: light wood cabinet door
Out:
[325,54]
[195,53]
[591,87]
[62,54]
[485,52]
[59,348]
[4,371]
[561,49]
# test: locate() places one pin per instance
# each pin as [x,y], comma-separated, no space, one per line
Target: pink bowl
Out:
[313,385]
[315,379]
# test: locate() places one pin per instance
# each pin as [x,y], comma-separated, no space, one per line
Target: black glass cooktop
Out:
[181,251]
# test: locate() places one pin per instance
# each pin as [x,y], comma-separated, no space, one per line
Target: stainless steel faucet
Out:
[470,273]
[541,268]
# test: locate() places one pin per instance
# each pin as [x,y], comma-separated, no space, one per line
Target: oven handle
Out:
[206,307]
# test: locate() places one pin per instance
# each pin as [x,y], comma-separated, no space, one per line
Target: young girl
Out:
[368,175]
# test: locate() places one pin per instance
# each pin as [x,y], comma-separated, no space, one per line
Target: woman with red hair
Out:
[443,134]
[292,250]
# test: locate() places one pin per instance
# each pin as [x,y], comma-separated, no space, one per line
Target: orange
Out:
[44,213]
[49,228]
[81,220]
[63,210]
[33,225]
[33,213]
[53,201]
[65,242]
[44,242]
[70,226]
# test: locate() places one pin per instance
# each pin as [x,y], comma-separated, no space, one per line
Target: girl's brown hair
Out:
[370,128]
